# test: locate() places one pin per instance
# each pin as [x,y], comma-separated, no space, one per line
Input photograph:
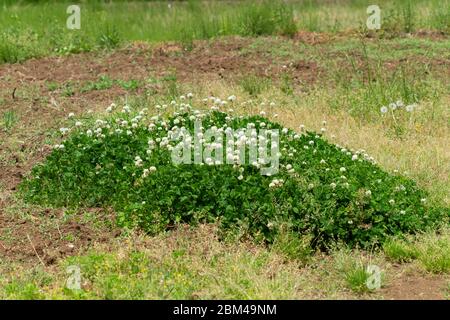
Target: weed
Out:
[254,85]
[399,250]
[109,38]
[434,252]
[52,86]
[356,279]
[103,83]
[128,85]
[287,84]
[68,90]
[9,119]
[171,85]
[293,246]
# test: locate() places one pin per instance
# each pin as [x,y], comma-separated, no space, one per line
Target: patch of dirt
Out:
[431,34]
[415,286]
[313,38]
[45,236]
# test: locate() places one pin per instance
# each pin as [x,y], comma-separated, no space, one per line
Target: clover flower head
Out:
[410,107]
[231,98]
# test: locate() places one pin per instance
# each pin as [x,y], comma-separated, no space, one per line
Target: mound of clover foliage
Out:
[323,190]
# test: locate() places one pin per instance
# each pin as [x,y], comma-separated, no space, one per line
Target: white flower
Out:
[111,107]
[276,183]
[391,202]
[333,185]
[399,103]
[322,161]
[241,177]
[288,167]
[138,161]
[393,106]
[190,95]
[342,169]
[78,124]
[355,157]
[423,200]
[126,109]
[410,108]
[368,193]
[232,98]
[89,133]
[152,169]
[384,109]
[63,130]
[71,115]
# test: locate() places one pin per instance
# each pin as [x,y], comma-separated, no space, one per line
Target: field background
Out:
[314,59]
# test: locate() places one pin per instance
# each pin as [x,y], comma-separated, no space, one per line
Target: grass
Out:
[191,263]
[254,85]
[27,33]
[431,250]
[399,251]
[170,266]
[9,119]
[104,82]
